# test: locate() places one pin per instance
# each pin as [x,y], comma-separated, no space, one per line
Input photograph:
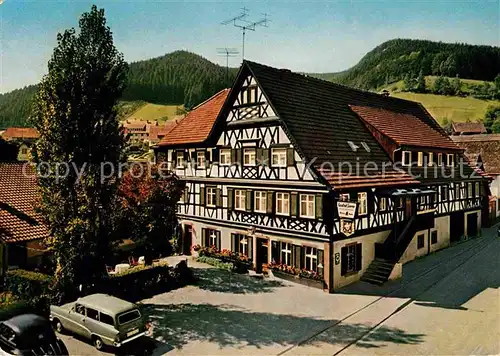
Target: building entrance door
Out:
[472,225]
[262,254]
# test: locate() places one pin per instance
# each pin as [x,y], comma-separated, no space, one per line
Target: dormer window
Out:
[406,158]
[440,159]
[420,159]
[450,160]
[431,159]
[249,95]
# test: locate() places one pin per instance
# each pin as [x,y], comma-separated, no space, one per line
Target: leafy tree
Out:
[456,86]
[149,195]
[495,128]
[437,63]
[75,113]
[8,151]
[491,116]
[447,125]
[408,82]
[421,88]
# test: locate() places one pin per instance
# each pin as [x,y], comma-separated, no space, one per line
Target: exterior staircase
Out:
[378,271]
[388,253]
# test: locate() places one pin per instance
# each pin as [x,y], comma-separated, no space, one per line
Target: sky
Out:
[306,36]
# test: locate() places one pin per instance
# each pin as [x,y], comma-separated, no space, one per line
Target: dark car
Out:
[29,334]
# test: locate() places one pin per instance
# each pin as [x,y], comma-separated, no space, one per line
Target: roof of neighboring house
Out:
[20,133]
[156,133]
[468,127]
[18,195]
[485,146]
[404,129]
[197,125]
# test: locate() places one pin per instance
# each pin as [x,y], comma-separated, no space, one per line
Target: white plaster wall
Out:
[367,256]
[442,226]
[412,251]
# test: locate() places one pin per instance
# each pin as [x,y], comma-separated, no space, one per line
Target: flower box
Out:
[308,282]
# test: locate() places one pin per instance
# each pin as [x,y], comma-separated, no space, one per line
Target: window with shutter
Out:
[307,209]
[230,197]
[293,204]
[351,259]
[319,206]
[297,256]
[290,157]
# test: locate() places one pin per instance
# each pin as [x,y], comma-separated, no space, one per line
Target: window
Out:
[213,238]
[363,204]
[225,157]
[457,191]
[440,159]
[420,241]
[430,161]
[450,158]
[469,190]
[344,197]
[106,319]
[278,157]
[406,158]
[282,203]
[211,196]
[24,150]
[383,204]
[476,190]
[249,95]
[311,257]
[80,309]
[200,159]
[249,157]
[92,314]
[286,253]
[129,316]
[307,206]
[260,202]
[239,199]
[420,159]
[243,246]
[210,237]
[444,193]
[180,160]
[434,237]
[350,259]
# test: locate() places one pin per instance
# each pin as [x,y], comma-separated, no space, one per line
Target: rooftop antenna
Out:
[242,23]
[228,52]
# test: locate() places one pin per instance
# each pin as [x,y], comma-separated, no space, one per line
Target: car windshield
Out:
[129,316]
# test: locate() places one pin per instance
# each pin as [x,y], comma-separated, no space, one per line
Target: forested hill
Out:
[392,60]
[177,78]
[180,78]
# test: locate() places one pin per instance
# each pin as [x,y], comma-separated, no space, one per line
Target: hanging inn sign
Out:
[347,212]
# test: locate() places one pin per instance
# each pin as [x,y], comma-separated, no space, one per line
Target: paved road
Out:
[446,303]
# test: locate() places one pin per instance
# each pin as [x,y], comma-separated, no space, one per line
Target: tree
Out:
[491,116]
[447,125]
[495,128]
[497,86]
[456,86]
[420,88]
[408,82]
[80,149]
[148,207]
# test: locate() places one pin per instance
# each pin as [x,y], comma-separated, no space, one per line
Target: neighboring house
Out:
[468,128]
[21,229]
[483,151]
[267,174]
[24,137]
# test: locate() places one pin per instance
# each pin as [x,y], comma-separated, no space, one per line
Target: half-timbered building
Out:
[291,169]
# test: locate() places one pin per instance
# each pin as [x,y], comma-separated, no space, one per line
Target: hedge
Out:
[228,266]
[145,281]
[31,287]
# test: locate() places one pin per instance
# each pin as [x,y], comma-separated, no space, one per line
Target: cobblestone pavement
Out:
[446,303]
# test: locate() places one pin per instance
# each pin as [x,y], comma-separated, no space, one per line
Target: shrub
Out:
[228,266]
[239,262]
[31,287]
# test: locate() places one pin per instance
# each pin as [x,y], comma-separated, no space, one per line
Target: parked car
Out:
[29,334]
[101,318]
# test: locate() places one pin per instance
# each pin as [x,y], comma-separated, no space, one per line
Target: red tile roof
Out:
[485,146]
[468,127]
[375,180]
[402,128]
[18,195]
[158,132]
[196,126]
[20,133]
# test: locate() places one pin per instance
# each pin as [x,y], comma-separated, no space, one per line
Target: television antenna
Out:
[244,25]
[228,52]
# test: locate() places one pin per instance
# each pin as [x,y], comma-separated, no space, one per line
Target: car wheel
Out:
[58,326]
[99,345]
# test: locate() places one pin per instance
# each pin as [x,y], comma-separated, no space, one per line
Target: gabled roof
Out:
[318,117]
[404,128]
[18,195]
[468,128]
[197,125]
[485,146]
[20,133]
